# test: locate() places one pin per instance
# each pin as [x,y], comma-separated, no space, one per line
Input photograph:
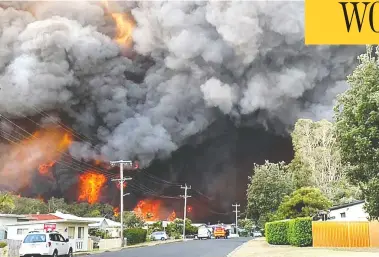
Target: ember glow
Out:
[90,185]
[189,209]
[45,168]
[172,216]
[37,151]
[116,211]
[118,185]
[148,210]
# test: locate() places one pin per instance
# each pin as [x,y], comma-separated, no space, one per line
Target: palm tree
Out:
[6,202]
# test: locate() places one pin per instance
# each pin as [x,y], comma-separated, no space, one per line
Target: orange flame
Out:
[148,210]
[90,185]
[124,25]
[172,216]
[116,211]
[44,168]
[40,198]
[119,186]
[23,158]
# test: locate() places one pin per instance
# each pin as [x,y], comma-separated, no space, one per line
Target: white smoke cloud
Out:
[220,95]
[239,56]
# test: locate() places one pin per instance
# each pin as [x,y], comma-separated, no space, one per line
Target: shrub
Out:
[300,232]
[135,235]
[277,232]
[3,244]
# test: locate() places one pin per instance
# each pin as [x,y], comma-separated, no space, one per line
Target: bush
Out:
[135,235]
[300,232]
[277,232]
[3,244]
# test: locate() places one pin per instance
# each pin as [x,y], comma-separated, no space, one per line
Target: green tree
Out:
[131,220]
[357,123]
[6,202]
[266,190]
[24,205]
[304,202]
[246,224]
[317,161]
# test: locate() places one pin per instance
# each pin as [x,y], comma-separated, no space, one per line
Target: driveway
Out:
[192,248]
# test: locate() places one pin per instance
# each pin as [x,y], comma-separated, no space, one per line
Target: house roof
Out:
[346,205]
[56,217]
[44,217]
[98,221]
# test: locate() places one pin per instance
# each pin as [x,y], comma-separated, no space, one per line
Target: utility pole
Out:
[185,196]
[236,211]
[121,180]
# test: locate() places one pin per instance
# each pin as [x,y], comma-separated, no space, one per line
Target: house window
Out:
[80,232]
[22,231]
[71,232]
[343,215]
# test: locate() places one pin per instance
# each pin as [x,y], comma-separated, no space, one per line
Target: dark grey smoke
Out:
[193,63]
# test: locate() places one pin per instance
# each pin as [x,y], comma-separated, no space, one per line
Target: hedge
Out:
[3,244]
[135,235]
[296,232]
[300,232]
[277,232]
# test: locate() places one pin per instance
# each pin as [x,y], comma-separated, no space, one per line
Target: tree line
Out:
[13,204]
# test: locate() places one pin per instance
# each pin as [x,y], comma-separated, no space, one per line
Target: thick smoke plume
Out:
[191,63]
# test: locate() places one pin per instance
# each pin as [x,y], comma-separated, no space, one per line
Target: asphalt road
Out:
[193,248]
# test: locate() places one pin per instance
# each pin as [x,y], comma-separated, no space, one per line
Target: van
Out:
[203,232]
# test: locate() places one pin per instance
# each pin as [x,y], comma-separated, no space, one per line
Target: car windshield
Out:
[35,238]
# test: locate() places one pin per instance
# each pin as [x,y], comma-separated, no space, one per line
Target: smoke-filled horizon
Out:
[190,64]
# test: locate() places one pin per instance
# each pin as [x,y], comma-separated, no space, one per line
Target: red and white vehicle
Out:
[45,244]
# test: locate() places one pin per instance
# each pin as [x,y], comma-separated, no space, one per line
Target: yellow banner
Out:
[341,22]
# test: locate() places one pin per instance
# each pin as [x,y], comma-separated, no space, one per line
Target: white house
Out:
[348,212]
[112,227]
[70,226]
[6,219]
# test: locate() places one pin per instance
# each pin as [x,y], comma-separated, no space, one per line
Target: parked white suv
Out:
[45,243]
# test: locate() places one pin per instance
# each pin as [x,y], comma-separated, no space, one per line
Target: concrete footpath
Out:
[260,248]
[152,243]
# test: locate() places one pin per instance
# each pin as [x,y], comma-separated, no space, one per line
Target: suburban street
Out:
[198,248]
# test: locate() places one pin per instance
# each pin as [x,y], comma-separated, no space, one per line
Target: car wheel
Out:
[70,254]
[162,238]
[55,253]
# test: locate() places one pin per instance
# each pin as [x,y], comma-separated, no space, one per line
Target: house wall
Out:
[113,232]
[352,213]
[4,221]
[78,244]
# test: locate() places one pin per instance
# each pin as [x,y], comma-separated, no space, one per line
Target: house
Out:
[348,212]
[112,227]
[6,219]
[70,226]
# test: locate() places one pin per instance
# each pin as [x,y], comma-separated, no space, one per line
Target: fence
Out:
[13,247]
[105,244]
[345,234]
